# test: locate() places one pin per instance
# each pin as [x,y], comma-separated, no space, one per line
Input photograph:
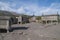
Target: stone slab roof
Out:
[4,17]
[51,15]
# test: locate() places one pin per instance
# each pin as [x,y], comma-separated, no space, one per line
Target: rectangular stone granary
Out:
[5,22]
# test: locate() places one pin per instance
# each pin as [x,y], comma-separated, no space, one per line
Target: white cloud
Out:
[52,9]
[21,10]
[55,5]
[5,6]
[31,8]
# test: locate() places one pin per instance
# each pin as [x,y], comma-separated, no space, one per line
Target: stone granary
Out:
[32,19]
[52,19]
[19,19]
[5,23]
[23,19]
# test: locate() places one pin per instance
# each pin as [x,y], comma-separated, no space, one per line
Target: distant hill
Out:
[8,13]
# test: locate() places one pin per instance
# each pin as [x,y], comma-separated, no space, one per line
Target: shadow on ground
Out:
[13,28]
[20,28]
[3,31]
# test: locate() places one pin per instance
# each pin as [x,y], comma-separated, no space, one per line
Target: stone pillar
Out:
[7,31]
[51,22]
[46,21]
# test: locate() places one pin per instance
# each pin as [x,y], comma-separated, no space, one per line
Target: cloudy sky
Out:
[38,7]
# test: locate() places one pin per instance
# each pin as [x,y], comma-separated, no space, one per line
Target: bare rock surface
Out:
[35,31]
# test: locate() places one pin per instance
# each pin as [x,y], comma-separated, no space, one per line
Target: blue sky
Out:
[31,6]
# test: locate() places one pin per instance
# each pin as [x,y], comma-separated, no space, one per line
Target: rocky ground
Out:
[32,31]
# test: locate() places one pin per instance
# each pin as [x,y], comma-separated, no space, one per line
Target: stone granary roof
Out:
[4,17]
[51,15]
